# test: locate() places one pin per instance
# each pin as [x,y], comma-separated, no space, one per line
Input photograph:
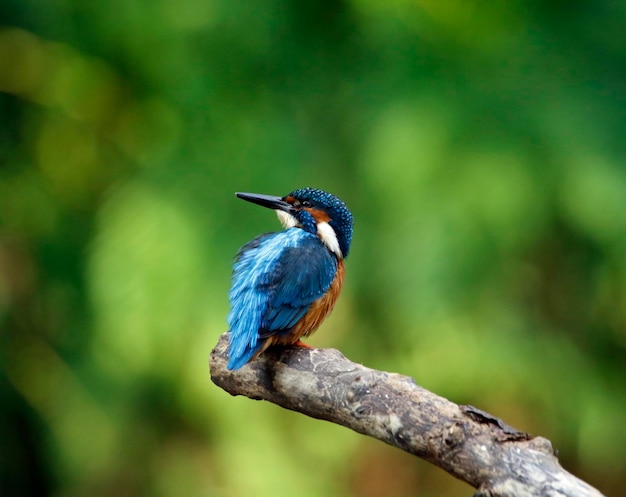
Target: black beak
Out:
[270,201]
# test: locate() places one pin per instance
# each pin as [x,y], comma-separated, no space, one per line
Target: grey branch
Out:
[468,443]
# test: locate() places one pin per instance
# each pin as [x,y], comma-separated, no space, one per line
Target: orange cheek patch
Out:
[319,216]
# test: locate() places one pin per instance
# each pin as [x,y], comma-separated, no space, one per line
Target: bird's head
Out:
[315,211]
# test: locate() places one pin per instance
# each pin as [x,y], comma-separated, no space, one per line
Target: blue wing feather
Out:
[276,278]
[281,318]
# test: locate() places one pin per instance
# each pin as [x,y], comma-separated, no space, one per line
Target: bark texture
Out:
[468,443]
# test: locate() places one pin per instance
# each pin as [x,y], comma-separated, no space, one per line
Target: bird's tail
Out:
[241,351]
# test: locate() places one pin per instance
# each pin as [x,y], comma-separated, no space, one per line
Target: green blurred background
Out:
[480,146]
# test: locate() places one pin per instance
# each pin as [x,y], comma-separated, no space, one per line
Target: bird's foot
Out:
[300,343]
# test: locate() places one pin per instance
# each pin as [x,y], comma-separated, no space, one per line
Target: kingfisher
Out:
[285,283]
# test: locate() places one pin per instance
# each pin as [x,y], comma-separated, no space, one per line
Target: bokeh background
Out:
[480,145]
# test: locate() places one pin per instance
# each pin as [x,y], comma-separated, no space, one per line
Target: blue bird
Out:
[284,284]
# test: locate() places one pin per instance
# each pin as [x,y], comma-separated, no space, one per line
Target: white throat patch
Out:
[329,237]
[287,220]
[324,231]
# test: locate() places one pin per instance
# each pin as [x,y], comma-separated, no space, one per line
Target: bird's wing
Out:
[303,275]
[276,278]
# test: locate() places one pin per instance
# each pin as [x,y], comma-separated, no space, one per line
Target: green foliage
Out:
[479,145]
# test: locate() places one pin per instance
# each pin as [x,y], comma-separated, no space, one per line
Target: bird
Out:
[285,283]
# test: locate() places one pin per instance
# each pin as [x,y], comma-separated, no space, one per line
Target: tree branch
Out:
[468,443]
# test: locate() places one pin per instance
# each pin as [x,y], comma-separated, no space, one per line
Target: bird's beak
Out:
[270,201]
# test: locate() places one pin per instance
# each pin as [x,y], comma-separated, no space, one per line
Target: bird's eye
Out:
[306,203]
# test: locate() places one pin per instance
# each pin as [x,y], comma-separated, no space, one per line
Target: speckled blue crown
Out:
[340,216]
